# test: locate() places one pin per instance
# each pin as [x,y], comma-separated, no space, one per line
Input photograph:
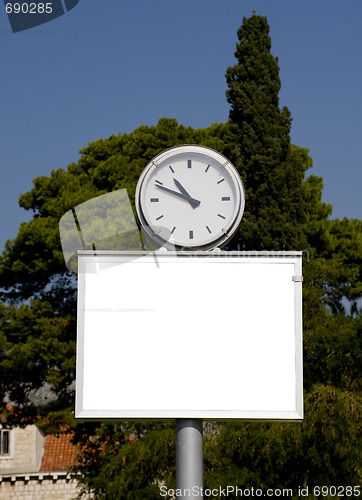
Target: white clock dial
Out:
[190,197]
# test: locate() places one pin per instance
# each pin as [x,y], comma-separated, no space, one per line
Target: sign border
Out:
[294,257]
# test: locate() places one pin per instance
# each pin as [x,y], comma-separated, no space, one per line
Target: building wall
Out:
[22,476]
[54,486]
[26,446]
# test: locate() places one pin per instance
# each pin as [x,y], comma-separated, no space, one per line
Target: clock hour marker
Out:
[207,227]
[173,229]
[153,200]
[207,168]
[172,170]
[221,216]
[159,182]
[219,182]
[225,198]
[160,217]
[188,163]
[191,235]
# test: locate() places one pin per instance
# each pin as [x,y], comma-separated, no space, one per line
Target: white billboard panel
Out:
[189,335]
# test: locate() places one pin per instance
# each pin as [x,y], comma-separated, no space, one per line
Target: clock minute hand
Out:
[194,203]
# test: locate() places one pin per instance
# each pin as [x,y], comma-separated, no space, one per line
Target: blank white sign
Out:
[187,335]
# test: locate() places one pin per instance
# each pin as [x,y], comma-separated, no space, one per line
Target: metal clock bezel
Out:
[159,159]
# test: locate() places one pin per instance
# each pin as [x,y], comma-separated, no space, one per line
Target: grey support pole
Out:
[189,460]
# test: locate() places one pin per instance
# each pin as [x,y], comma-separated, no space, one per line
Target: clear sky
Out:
[109,66]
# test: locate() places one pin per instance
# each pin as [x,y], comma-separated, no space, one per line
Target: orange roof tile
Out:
[59,453]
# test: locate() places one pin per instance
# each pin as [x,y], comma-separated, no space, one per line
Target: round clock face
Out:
[190,197]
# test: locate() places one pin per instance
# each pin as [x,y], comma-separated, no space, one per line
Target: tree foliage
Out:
[284,210]
[128,460]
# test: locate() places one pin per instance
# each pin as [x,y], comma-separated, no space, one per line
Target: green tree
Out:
[128,461]
[259,145]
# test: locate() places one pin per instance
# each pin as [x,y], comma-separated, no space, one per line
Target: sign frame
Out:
[99,395]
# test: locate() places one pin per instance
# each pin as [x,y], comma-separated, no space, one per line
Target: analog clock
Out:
[190,197]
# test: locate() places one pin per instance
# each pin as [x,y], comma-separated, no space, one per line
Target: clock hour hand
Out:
[181,188]
[194,203]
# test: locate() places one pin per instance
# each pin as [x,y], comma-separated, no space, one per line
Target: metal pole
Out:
[189,461]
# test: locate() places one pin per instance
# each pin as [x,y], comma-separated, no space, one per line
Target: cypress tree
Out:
[259,145]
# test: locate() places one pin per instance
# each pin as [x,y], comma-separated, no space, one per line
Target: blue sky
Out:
[109,66]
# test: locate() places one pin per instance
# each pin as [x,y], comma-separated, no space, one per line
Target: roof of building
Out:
[59,453]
